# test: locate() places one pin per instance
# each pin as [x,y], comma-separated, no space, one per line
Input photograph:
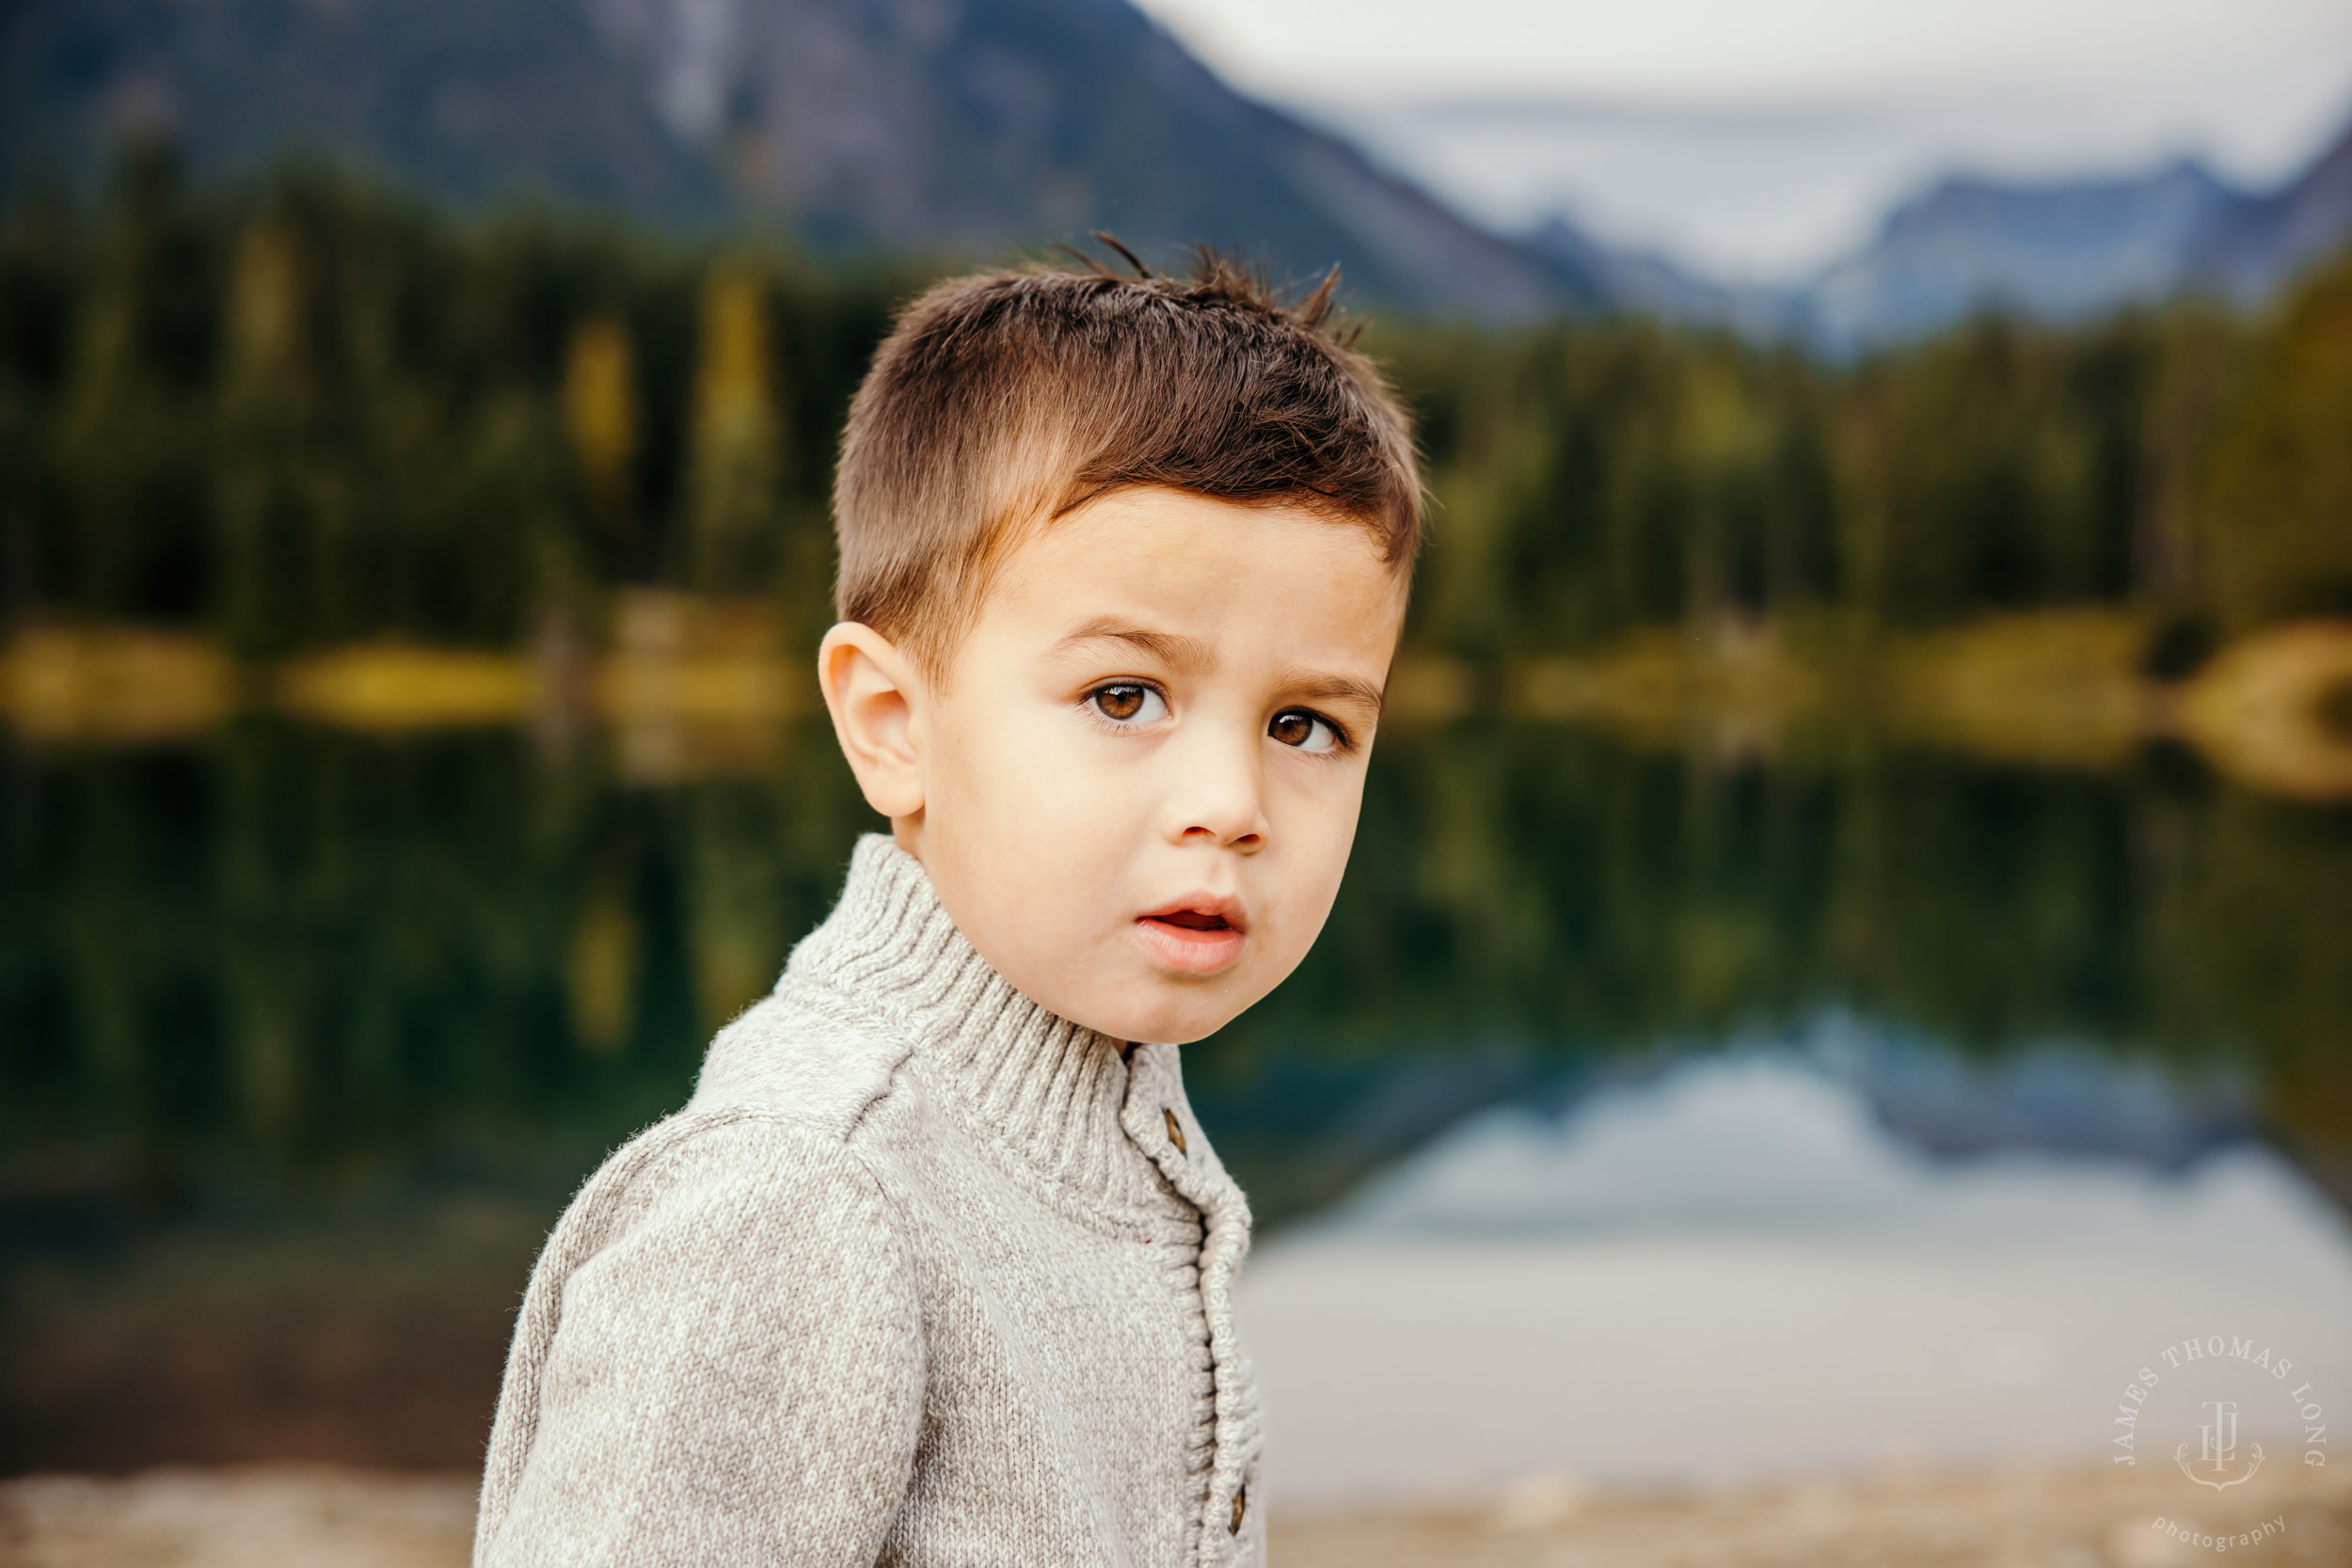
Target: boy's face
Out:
[1135,788]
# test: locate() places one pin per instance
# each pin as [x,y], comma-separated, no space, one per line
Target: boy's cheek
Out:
[1041,781]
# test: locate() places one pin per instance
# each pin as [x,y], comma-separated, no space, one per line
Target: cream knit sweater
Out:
[923,1276]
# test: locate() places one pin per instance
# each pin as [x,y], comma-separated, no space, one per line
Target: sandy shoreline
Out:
[695,687]
[261,1516]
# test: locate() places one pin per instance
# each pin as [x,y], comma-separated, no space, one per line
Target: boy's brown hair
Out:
[1003,401]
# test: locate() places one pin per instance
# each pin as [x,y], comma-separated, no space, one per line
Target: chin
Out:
[1178,1021]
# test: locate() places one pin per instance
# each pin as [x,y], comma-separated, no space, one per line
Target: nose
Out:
[1219,794]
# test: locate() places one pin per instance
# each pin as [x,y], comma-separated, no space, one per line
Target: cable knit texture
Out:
[923,1274]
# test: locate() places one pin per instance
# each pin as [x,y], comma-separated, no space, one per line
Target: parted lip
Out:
[1212,910]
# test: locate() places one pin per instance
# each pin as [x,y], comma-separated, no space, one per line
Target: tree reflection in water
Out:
[304,1037]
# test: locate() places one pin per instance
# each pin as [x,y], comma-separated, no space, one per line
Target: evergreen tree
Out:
[600,418]
[276,519]
[736,471]
[2278,514]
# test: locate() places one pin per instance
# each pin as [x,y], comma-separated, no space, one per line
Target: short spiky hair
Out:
[1004,400]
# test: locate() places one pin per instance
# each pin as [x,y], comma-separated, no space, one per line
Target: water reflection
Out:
[304,1036]
[1738,1270]
[1823,1137]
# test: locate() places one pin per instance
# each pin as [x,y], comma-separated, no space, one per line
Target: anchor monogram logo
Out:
[2218,1448]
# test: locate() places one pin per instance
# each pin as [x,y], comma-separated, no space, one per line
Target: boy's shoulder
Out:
[784,1086]
[797,1059]
[772,1126]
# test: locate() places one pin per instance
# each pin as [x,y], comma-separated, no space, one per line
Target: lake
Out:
[1646,1115]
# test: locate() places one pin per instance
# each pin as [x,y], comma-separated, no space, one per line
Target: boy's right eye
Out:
[1128,703]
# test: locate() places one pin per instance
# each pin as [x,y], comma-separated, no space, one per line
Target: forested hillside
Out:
[306,413]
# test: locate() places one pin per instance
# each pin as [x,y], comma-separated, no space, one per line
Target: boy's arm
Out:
[735,1374]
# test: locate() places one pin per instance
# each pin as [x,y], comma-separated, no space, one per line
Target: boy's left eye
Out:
[1304,731]
[1128,703]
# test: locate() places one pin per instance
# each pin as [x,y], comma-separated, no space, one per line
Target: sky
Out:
[1758,140]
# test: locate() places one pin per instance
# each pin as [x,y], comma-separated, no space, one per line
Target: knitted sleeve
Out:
[720,1361]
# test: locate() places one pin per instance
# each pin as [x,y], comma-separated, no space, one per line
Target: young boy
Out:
[936,1267]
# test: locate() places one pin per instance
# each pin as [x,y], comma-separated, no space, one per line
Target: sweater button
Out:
[1175,1133]
[1241,1503]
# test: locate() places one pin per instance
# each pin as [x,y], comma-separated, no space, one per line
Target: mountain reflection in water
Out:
[306,1036]
[1737,1272]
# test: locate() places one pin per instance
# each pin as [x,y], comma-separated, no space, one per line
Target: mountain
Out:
[979,128]
[472,103]
[2053,251]
[1635,281]
[2271,238]
[965,127]
[2070,250]
[1644,283]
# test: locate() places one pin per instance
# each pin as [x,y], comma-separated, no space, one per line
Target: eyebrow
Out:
[1168,646]
[1325,688]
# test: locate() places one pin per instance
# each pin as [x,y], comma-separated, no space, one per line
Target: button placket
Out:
[1225,1229]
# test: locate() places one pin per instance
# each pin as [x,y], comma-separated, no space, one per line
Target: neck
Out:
[1047,1091]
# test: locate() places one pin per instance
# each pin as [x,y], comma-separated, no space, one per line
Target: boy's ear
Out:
[873,692]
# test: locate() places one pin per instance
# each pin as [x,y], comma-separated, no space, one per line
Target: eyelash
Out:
[1341,739]
[1092,703]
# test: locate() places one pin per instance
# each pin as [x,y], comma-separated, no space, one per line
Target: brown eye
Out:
[1303,731]
[1128,703]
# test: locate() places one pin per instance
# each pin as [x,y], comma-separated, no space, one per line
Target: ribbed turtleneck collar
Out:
[1048,1091]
